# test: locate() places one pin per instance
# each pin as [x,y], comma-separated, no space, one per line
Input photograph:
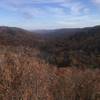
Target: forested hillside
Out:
[38,67]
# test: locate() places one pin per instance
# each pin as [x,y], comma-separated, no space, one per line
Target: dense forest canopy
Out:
[62,47]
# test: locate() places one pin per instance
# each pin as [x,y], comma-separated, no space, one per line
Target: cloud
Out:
[86,10]
[20,2]
[29,8]
[96,2]
[76,8]
[50,1]
[55,11]
[78,21]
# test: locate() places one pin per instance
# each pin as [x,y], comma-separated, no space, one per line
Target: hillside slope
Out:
[16,36]
[35,68]
[63,47]
[79,49]
[24,76]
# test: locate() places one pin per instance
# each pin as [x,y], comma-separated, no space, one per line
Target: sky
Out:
[49,14]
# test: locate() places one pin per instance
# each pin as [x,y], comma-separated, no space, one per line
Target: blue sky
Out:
[49,14]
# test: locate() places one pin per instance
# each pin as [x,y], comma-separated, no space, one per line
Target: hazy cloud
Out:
[96,2]
[29,8]
[76,8]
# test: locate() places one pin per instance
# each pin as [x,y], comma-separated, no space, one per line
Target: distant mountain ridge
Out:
[16,36]
[64,32]
[59,47]
[57,33]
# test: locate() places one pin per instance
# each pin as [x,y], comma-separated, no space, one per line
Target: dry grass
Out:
[25,77]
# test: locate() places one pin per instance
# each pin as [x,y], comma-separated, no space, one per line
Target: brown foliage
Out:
[23,76]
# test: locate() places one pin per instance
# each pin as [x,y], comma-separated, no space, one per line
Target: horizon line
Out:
[48,28]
